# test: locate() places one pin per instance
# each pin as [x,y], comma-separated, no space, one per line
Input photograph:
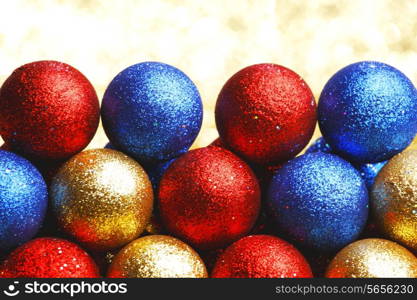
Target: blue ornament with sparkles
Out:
[319,145]
[152,112]
[156,171]
[319,201]
[367,112]
[367,171]
[23,200]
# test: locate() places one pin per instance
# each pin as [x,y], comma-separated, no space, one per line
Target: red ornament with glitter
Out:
[49,110]
[209,197]
[261,256]
[266,113]
[49,258]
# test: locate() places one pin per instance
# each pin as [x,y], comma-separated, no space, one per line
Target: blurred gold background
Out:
[208,40]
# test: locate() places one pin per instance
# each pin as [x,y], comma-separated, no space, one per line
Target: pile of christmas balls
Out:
[247,205]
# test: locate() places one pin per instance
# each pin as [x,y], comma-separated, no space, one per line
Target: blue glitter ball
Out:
[23,200]
[319,201]
[156,171]
[367,112]
[319,145]
[152,112]
[369,172]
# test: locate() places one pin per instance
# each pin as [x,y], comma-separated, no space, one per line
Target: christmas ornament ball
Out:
[103,198]
[373,258]
[319,145]
[319,201]
[366,112]
[209,198]
[261,256]
[49,110]
[157,256]
[23,200]
[368,171]
[155,172]
[49,258]
[152,111]
[266,113]
[393,200]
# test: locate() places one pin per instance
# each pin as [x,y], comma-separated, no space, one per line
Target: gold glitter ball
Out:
[157,256]
[103,198]
[373,258]
[394,199]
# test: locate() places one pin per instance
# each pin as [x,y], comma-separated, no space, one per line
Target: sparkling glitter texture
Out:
[152,111]
[367,111]
[49,258]
[103,198]
[209,197]
[373,258]
[266,113]
[319,200]
[370,171]
[319,145]
[393,199]
[157,256]
[261,256]
[48,109]
[367,171]
[23,200]
[155,172]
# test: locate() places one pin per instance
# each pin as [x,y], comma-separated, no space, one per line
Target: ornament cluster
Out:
[249,205]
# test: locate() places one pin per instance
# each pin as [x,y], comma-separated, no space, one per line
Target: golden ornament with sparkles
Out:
[157,256]
[394,199]
[103,198]
[373,258]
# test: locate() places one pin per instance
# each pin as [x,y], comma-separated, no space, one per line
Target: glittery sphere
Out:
[49,258]
[152,111]
[266,113]
[368,171]
[48,109]
[157,256]
[367,111]
[209,197]
[393,199]
[262,172]
[155,172]
[23,200]
[319,145]
[373,258]
[103,198]
[319,200]
[261,256]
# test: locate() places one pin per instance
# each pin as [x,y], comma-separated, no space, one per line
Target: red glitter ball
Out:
[48,109]
[218,143]
[209,197]
[264,173]
[266,113]
[49,258]
[261,256]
